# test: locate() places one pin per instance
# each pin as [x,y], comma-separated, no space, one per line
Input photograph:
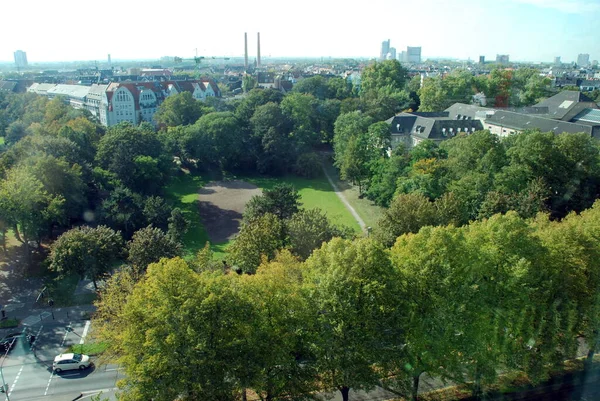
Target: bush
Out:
[308,165]
[8,323]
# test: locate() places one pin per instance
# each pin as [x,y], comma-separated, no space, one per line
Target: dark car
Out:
[8,342]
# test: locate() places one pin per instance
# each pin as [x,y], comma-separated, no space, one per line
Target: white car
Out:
[70,361]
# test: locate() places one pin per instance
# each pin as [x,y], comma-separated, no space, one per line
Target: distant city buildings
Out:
[392,53]
[583,60]
[20,59]
[413,55]
[385,49]
[502,58]
[481,59]
[557,60]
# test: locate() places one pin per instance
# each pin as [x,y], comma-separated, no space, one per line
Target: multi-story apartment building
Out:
[126,101]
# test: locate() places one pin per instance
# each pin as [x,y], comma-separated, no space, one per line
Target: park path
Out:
[340,195]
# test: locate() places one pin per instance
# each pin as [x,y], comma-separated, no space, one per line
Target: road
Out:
[29,376]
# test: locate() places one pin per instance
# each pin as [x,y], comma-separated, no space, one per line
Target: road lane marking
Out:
[85,330]
[48,386]
[12,387]
[52,374]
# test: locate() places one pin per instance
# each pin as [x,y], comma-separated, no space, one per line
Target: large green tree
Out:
[180,109]
[87,252]
[352,290]
[149,245]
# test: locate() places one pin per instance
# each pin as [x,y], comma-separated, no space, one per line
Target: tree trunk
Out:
[4,240]
[477,385]
[95,285]
[345,392]
[589,360]
[244,394]
[17,234]
[415,387]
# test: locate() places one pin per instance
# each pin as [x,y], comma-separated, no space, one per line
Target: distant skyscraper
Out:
[385,49]
[20,59]
[502,58]
[402,57]
[481,59]
[557,60]
[109,61]
[413,54]
[583,60]
[392,53]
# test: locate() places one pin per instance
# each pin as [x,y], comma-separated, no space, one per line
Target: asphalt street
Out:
[28,372]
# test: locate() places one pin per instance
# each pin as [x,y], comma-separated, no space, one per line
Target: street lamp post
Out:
[4,385]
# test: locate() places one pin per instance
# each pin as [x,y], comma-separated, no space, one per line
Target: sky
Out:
[71,30]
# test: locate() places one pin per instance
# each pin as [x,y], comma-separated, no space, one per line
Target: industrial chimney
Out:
[246,51]
[258,49]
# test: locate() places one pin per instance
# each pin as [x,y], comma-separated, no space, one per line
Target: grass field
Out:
[367,210]
[183,193]
[315,193]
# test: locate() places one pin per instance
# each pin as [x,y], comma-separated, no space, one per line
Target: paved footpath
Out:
[340,195]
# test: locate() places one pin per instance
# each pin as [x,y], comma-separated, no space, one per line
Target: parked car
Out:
[70,361]
[8,342]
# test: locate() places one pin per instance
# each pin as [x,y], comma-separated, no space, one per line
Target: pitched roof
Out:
[566,104]
[434,126]
[8,86]
[72,91]
[469,110]
[519,121]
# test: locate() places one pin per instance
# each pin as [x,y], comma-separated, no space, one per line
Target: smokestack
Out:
[246,51]
[258,50]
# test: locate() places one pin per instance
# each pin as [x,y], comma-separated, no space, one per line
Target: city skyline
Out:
[527,30]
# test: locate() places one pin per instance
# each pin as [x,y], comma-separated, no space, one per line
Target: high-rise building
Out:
[502,59]
[583,60]
[109,61]
[481,59]
[402,57]
[413,54]
[385,49]
[557,60]
[20,59]
[392,53]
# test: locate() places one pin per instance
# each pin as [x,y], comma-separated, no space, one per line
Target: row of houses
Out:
[566,112]
[134,102]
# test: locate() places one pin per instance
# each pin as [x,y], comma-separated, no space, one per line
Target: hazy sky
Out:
[532,30]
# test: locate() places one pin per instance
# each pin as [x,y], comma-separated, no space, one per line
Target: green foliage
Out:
[308,165]
[385,74]
[9,323]
[149,245]
[180,109]
[135,155]
[186,335]
[86,251]
[353,293]
[258,237]
[27,207]
[406,214]
[308,229]
[282,200]
[123,210]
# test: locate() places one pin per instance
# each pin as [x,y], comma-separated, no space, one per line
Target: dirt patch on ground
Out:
[222,205]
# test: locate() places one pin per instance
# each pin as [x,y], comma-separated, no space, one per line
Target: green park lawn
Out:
[314,193]
[182,192]
[367,210]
